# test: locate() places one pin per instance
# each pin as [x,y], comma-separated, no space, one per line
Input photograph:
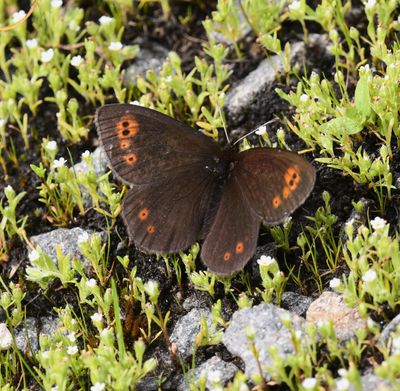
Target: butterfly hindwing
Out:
[144,146]
[166,216]
[232,237]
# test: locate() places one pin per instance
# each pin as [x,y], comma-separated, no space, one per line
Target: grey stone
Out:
[330,306]
[387,333]
[251,91]
[151,56]
[296,303]
[186,330]
[26,336]
[371,382]
[265,321]
[197,300]
[212,368]
[99,163]
[244,29]
[66,238]
[6,340]
[356,219]
[48,325]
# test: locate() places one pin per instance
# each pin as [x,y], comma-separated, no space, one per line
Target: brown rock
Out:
[331,306]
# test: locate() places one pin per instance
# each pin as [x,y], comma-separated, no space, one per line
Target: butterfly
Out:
[184,186]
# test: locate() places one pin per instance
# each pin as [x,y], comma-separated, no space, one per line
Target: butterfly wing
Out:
[171,168]
[144,146]
[265,185]
[232,237]
[167,216]
[276,182]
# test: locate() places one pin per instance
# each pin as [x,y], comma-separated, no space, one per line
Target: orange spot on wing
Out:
[227,256]
[127,126]
[130,158]
[239,247]
[125,144]
[151,229]
[276,201]
[143,214]
[285,192]
[292,178]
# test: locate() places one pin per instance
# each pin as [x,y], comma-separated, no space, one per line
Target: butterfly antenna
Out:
[223,124]
[255,130]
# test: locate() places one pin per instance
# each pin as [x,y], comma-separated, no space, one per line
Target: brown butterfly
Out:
[184,186]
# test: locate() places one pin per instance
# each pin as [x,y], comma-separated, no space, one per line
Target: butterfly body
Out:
[184,186]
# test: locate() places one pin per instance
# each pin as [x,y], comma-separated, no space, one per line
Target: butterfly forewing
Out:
[145,146]
[275,182]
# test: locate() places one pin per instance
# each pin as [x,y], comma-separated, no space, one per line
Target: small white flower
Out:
[73,26]
[168,79]
[76,61]
[378,223]
[369,276]
[115,46]
[96,317]
[370,4]
[309,383]
[342,372]
[56,3]
[46,354]
[2,122]
[265,260]
[54,388]
[72,350]
[51,146]
[9,191]
[98,387]
[32,43]
[105,20]
[261,130]
[6,340]
[86,154]
[47,55]
[304,98]
[342,384]
[71,337]
[295,6]
[33,256]
[334,283]
[91,283]
[151,287]
[18,16]
[59,162]
[136,103]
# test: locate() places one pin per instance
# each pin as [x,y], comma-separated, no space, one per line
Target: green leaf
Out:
[344,124]
[362,99]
